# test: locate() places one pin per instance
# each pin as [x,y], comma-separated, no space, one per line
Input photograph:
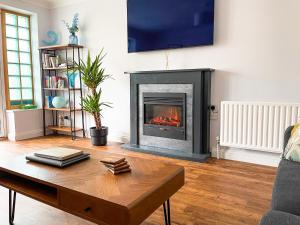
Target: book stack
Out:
[59,157]
[50,61]
[55,82]
[116,165]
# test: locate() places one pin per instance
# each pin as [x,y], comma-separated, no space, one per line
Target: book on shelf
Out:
[48,101]
[46,60]
[55,82]
[50,61]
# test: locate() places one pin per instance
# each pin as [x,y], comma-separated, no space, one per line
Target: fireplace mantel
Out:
[169,71]
[196,83]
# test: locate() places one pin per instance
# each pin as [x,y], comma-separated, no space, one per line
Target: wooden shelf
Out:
[62,89]
[62,109]
[60,47]
[63,129]
[56,68]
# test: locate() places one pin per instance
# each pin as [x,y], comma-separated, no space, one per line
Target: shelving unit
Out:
[69,52]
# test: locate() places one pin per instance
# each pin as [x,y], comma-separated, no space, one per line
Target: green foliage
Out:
[92,103]
[93,74]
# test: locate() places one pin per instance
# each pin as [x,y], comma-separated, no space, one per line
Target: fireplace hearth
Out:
[169,113]
[164,115]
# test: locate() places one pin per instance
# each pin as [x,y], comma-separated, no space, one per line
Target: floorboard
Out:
[219,192]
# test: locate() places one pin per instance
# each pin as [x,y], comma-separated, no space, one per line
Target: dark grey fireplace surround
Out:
[187,135]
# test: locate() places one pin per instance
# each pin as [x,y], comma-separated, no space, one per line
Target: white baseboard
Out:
[25,135]
[250,156]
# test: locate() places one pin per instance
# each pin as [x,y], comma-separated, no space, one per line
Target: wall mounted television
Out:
[168,24]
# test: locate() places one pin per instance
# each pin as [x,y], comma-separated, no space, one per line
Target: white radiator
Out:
[256,125]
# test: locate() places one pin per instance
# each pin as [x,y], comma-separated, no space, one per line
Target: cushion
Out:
[292,149]
[274,217]
[286,191]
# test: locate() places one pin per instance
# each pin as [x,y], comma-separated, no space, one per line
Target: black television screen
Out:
[166,24]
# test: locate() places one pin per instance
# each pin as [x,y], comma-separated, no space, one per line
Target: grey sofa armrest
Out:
[286,194]
[274,217]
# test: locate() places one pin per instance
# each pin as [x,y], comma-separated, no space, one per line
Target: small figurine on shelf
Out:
[61,120]
[73,39]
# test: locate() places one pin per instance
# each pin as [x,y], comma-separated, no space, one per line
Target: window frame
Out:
[5,60]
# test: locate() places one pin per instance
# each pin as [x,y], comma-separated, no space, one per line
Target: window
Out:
[17,59]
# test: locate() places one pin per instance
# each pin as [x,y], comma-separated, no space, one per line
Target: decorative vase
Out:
[73,39]
[59,102]
[72,77]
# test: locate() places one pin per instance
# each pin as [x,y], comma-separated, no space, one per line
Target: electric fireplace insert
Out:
[165,115]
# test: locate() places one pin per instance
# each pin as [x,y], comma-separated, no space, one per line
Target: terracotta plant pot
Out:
[99,136]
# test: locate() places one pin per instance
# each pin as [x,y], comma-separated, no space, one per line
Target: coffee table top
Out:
[90,177]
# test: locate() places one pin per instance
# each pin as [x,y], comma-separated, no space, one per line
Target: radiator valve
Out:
[218,147]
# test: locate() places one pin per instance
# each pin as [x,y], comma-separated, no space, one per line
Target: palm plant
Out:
[93,74]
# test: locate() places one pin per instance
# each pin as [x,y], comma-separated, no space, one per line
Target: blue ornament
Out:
[59,102]
[52,38]
[72,77]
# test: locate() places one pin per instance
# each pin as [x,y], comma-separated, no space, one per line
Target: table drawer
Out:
[91,208]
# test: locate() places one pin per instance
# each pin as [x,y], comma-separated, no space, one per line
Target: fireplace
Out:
[169,113]
[164,115]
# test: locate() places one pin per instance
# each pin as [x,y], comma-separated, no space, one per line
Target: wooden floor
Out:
[217,192]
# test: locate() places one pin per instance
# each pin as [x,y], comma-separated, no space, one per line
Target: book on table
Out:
[58,156]
[58,153]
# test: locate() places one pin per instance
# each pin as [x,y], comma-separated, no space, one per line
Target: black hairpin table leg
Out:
[12,205]
[167,212]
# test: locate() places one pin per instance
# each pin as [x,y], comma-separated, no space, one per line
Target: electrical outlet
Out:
[214,112]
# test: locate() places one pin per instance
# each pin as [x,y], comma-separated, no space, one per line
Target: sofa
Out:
[285,207]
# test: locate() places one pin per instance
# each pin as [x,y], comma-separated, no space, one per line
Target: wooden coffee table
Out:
[91,192]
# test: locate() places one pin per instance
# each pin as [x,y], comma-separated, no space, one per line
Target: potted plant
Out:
[92,76]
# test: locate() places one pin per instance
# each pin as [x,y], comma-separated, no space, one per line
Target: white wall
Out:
[256,55]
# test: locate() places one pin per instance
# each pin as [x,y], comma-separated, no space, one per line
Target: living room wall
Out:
[256,54]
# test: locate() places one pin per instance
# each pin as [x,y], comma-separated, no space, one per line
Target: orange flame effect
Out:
[168,117]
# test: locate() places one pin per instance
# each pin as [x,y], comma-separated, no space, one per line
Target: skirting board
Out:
[25,135]
[249,156]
